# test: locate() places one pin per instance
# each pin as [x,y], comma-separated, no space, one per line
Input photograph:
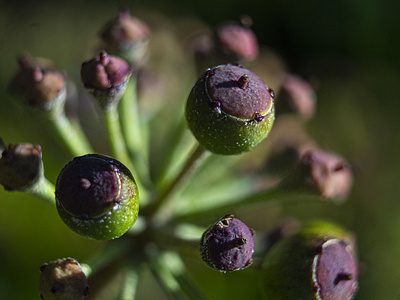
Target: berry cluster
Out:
[183,178]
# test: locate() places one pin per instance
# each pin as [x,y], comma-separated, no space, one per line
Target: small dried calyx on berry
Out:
[38,84]
[63,279]
[21,166]
[227,245]
[106,77]
[97,197]
[318,262]
[230,110]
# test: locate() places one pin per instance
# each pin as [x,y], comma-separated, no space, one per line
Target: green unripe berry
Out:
[317,263]
[97,197]
[230,110]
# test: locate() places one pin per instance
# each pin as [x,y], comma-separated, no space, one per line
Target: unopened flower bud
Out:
[228,245]
[230,110]
[328,173]
[127,37]
[21,166]
[97,197]
[63,279]
[319,262]
[106,77]
[39,85]
[296,96]
[236,42]
[322,173]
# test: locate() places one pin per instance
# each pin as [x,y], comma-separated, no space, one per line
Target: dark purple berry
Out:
[97,197]
[228,245]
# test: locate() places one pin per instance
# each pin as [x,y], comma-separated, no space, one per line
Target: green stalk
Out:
[175,137]
[44,189]
[162,211]
[129,286]
[133,132]
[273,194]
[71,136]
[118,146]
[115,137]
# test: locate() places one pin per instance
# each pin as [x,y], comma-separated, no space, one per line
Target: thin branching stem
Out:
[162,212]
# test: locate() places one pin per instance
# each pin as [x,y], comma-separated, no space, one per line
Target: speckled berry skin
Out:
[230,110]
[97,197]
[317,263]
[228,245]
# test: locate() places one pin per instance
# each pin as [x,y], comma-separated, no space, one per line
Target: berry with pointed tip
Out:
[228,245]
[21,166]
[63,279]
[230,110]
[106,77]
[97,197]
[317,263]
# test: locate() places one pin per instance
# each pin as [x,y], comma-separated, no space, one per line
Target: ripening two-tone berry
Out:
[97,197]
[230,110]
[227,245]
[317,263]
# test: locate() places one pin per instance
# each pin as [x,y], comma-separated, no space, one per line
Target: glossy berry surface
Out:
[97,197]
[228,245]
[230,110]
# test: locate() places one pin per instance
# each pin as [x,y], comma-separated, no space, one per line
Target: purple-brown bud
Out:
[106,77]
[228,245]
[328,173]
[126,36]
[236,42]
[38,84]
[63,279]
[21,166]
[296,96]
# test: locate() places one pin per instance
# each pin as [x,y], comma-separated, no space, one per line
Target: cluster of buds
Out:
[230,110]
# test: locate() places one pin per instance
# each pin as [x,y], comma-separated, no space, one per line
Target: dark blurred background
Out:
[350,47]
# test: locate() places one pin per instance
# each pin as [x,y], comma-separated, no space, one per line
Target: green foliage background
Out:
[351,47]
